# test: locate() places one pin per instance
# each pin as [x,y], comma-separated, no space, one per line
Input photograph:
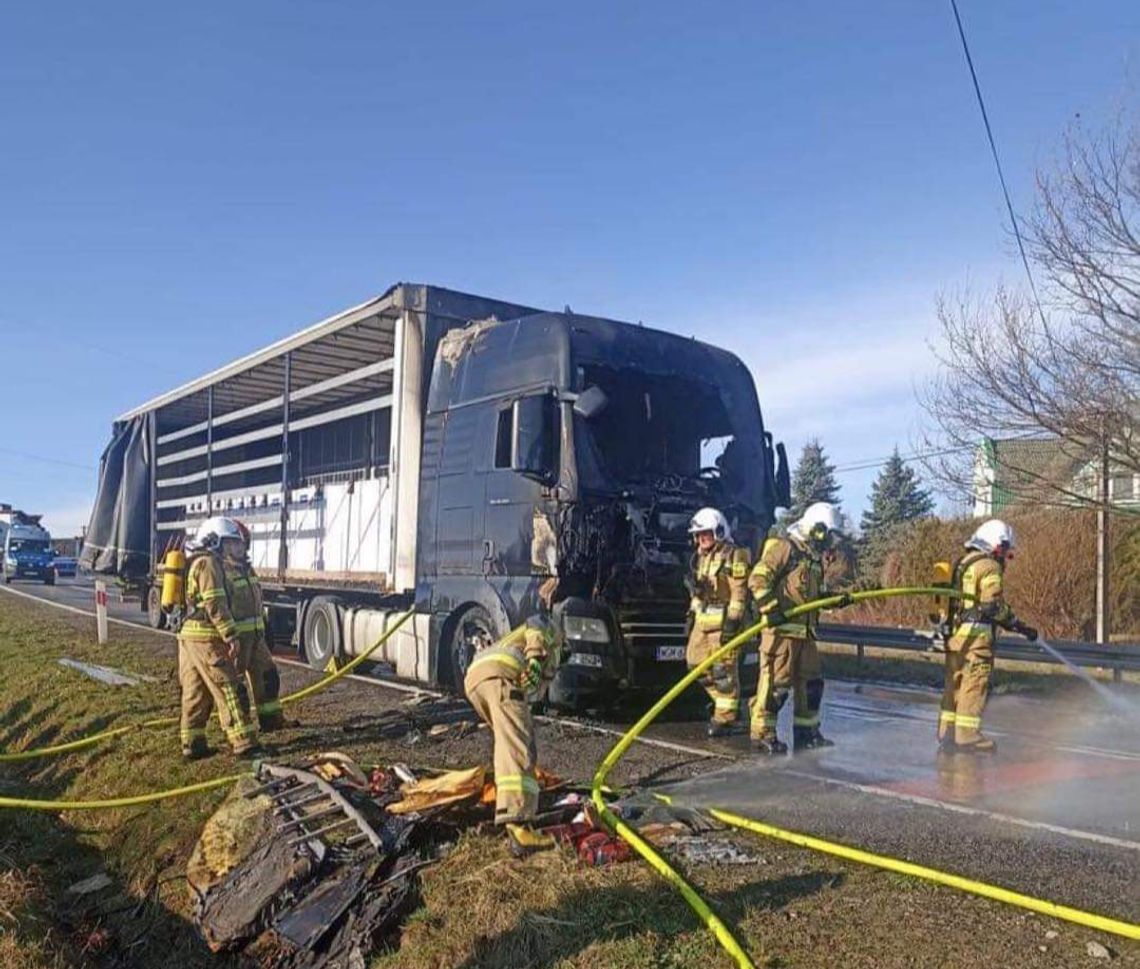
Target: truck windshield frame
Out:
[657,426]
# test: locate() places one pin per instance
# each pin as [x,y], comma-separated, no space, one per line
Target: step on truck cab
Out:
[447,453]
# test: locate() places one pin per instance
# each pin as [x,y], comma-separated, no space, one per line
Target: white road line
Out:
[388,685]
[964,809]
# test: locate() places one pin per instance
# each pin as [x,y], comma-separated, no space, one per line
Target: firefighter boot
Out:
[767,745]
[720,728]
[807,738]
[524,840]
[983,745]
[196,749]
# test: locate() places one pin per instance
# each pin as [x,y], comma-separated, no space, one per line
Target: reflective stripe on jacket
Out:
[721,576]
[787,575]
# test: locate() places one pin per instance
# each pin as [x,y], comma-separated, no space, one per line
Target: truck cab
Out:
[578,447]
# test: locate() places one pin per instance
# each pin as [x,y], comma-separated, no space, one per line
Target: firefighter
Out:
[255,660]
[210,651]
[502,682]
[790,573]
[719,590]
[978,575]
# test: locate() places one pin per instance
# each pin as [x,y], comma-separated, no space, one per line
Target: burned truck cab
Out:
[579,447]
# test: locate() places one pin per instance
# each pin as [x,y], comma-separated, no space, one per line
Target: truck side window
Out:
[503,437]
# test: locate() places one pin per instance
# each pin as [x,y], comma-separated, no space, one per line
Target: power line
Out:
[997,162]
[865,464]
[45,459]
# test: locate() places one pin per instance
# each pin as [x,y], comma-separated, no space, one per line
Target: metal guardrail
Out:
[1117,657]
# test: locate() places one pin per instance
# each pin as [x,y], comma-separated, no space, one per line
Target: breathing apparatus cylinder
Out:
[942,577]
[173,579]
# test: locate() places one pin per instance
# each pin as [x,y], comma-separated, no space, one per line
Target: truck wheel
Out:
[471,630]
[323,639]
[155,617]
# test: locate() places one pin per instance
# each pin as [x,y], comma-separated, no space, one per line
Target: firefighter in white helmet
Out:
[788,574]
[978,575]
[719,594]
[212,659]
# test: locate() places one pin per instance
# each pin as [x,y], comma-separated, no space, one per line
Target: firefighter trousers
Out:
[722,681]
[211,680]
[969,662]
[504,708]
[788,665]
[256,662]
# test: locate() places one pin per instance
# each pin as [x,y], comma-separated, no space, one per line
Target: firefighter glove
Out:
[1027,631]
[845,600]
[730,630]
[532,675]
[776,617]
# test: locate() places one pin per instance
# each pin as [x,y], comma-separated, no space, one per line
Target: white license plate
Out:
[586,659]
[751,659]
[670,653]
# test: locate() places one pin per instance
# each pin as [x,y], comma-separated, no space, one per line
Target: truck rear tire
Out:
[323,637]
[471,628]
[155,617]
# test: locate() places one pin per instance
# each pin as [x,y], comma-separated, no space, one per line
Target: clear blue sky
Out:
[180,184]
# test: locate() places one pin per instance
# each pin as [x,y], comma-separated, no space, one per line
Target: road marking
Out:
[387,684]
[963,809]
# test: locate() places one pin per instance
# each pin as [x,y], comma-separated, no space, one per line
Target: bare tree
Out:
[1067,371]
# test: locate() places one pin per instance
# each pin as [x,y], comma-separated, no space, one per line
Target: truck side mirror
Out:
[783,478]
[591,402]
[534,445]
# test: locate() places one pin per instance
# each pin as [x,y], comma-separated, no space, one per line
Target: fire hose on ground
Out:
[301,694]
[711,920]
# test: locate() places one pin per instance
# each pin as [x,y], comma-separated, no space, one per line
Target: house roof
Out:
[1024,466]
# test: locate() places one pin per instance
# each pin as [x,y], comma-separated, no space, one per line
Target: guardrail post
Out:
[101,611]
[859,654]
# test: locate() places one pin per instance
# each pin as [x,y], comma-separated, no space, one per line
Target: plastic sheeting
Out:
[118,535]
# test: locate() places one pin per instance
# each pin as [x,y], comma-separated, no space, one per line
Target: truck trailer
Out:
[447,453]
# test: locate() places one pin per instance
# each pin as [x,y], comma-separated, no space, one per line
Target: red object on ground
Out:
[600,849]
[570,834]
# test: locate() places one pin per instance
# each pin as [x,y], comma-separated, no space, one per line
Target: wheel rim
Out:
[473,633]
[320,636]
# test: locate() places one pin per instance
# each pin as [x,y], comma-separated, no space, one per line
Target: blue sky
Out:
[180,184]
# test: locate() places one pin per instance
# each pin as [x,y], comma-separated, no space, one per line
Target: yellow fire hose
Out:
[723,935]
[97,738]
[1088,919]
[118,802]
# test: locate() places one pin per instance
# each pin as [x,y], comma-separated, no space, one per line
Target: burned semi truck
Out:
[434,450]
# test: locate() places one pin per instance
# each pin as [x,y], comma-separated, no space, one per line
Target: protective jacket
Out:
[721,587]
[787,575]
[980,578]
[538,638]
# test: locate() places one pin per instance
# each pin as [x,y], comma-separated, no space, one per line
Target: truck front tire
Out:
[323,639]
[470,629]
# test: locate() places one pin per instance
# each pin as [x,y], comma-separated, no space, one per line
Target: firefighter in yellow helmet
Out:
[970,650]
[719,591]
[788,574]
[211,667]
[502,682]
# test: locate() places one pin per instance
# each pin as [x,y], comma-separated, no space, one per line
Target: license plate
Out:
[751,659]
[670,653]
[586,659]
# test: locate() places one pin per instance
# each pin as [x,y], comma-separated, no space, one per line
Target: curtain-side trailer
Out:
[434,450]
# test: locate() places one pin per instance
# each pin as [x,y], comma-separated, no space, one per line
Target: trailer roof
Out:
[325,327]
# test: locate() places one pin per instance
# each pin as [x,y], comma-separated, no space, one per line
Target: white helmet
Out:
[991,536]
[711,520]
[211,532]
[820,515]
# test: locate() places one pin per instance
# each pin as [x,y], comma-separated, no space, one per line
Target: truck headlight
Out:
[585,629]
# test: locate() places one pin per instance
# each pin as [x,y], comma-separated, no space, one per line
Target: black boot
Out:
[196,750]
[807,738]
[768,746]
[718,729]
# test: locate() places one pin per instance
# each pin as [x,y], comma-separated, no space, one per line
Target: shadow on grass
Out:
[613,914]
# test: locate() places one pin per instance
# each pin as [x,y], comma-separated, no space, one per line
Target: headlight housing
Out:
[585,629]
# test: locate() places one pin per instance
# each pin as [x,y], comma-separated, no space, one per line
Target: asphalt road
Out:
[1055,813]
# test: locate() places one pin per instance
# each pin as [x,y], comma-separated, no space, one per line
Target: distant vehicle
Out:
[27,552]
[65,565]
[447,453]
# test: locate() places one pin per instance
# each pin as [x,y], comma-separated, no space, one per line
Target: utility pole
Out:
[1103,547]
